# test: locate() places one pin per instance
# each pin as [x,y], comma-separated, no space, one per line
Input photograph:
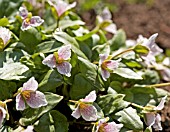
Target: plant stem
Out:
[159,85]
[138,106]
[8,100]
[125,51]
[73,101]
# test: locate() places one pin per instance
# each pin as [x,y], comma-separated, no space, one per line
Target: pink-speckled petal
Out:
[64,68]
[36,21]
[31,84]
[2,115]
[20,104]
[149,119]
[157,125]
[112,28]
[161,104]
[25,25]
[50,61]
[105,74]
[5,35]
[76,113]
[65,52]
[23,12]
[89,112]
[36,100]
[91,97]
[103,57]
[112,64]
[112,127]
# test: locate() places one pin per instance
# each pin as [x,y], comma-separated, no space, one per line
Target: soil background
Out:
[140,18]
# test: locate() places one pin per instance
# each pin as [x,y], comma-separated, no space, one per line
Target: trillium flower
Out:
[29,20]
[154,119]
[3,114]
[106,17]
[29,94]
[107,65]
[102,126]
[61,6]
[59,60]
[5,36]
[85,108]
[153,48]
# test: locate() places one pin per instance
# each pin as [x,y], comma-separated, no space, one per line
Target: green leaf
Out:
[127,73]
[48,46]
[80,87]
[140,49]
[7,90]
[53,121]
[148,129]
[118,40]
[30,38]
[4,22]
[30,115]
[67,39]
[130,119]
[110,103]
[63,24]
[51,80]
[13,71]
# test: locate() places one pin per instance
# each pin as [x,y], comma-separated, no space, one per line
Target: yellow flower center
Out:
[26,94]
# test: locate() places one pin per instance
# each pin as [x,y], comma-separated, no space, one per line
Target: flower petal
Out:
[64,68]
[157,125]
[88,112]
[25,25]
[23,12]
[31,84]
[112,127]
[91,97]
[106,15]
[103,57]
[36,21]
[76,113]
[50,61]
[112,28]
[70,6]
[36,99]
[105,74]
[149,119]
[29,129]
[5,35]
[161,104]
[20,104]
[2,115]
[112,64]
[65,52]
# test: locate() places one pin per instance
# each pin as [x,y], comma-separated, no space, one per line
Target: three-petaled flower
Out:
[153,118]
[29,20]
[5,36]
[29,94]
[59,60]
[85,108]
[107,65]
[153,48]
[102,126]
[61,6]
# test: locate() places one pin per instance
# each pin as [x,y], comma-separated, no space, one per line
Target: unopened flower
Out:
[106,16]
[102,126]
[153,118]
[3,113]
[59,60]
[85,108]
[29,20]
[107,65]
[29,94]
[61,6]
[5,36]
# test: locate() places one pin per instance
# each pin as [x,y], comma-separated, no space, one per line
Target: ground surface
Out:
[138,19]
